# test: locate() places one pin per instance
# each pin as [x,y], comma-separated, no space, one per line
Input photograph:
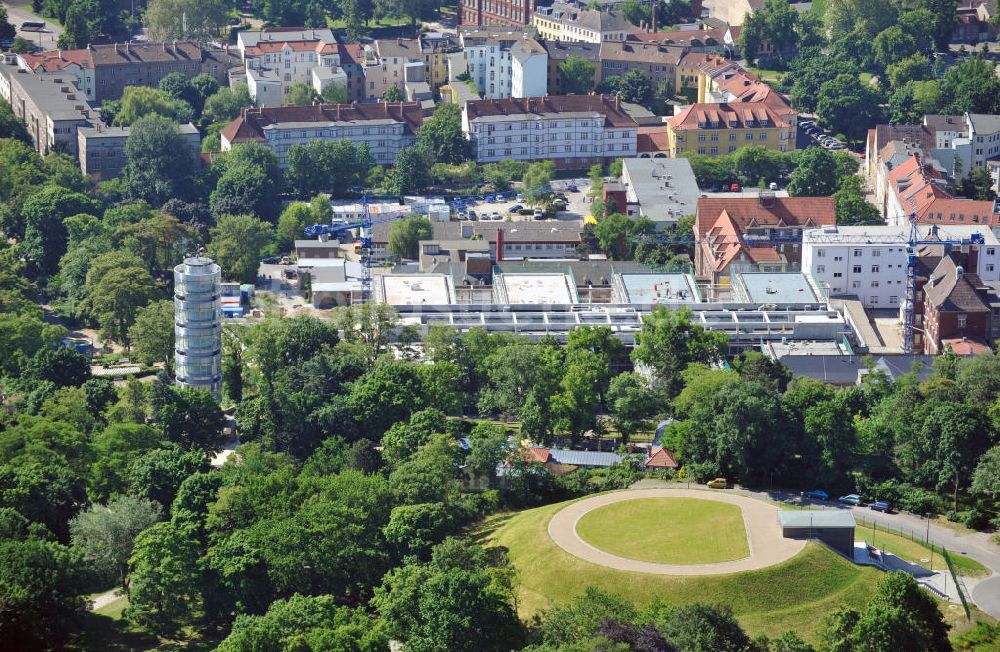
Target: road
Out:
[19,12]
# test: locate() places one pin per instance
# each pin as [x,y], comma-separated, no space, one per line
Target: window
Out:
[962,321]
[821,253]
[873,300]
[856,269]
[989,268]
[874,284]
[732,136]
[749,136]
[820,269]
[856,284]
[893,300]
[837,274]
[858,252]
[701,138]
[874,269]
[876,253]
[990,252]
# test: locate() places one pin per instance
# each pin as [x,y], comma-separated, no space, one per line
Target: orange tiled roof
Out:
[296,46]
[56,60]
[727,116]
[802,212]
[536,454]
[965,346]
[653,139]
[920,189]
[661,458]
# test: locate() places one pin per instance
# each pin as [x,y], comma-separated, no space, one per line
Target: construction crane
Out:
[363,243]
[913,243]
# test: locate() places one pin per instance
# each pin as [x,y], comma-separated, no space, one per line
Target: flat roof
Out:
[538,288]
[416,289]
[806,347]
[825,518]
[769,287]
[665,188]
[659,288]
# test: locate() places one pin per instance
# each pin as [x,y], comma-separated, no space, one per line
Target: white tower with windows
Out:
[198,324]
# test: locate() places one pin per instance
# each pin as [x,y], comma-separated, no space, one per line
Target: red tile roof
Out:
[965,346]
[808,212]
[661,458]
[267,47]
[921,189]
[536,454]
[56,60]
[653,139]
[727,116]
[250,125]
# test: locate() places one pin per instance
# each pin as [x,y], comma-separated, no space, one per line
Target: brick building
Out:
[512,13]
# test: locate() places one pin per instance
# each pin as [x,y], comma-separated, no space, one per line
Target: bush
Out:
[703,471]
[919,501]
[975,518]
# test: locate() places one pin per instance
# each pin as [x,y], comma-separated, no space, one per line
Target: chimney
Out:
[499,256]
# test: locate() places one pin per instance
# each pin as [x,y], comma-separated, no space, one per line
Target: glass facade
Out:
[198,324]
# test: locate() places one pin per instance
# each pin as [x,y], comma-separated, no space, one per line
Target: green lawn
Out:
[114,608]
[795,594]
[667,530]
[915,551]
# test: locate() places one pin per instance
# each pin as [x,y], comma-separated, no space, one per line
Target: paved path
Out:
[767,547]
[19,12]
[104,599]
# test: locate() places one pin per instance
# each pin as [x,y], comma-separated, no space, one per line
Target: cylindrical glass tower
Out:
[198,324]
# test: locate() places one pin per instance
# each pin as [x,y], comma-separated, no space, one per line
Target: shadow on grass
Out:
[108,634]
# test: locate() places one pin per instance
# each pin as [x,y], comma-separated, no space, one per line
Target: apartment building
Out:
[101,72]
[918,189]
[574,131]
[720,39]
[870,262]
[565,21]
[512,13]
[732,12]
[75,65]
[656,61]
[513,240]
[52,108]
[386,128]
[102,149]
[958,307]
[434,50]
[504,63]
[716,129]
[764,233]
[135,63]
[272,68]
[560,51]
[664,190]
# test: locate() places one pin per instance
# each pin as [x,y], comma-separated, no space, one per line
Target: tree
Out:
[700,627]
[178,86]
[986,478]
[815,174]
[314,622]
[669,341]
[411,171]
[157,474]
[852,207]
[893,45]
[537,180]
[7,31]
[913,68]
[58,365]
[404,236]
[848,106]
[237,243]
[291,224]
[114,447]
[152,333]
[776,23]
[577,76]
[165,591]
[442,135]
[185,19]
[117,299]
[41,592]
[962,434]
[944,14]
[632,403]
[868,16]
[22,46]
[141,101]
[226,103]
[454,602]
[190,417]
[415,529]
[634,86]
[971,86]
[393,94]
[106,534]
[250,182]
[45,235]
[301,94]
[10,125]
[334,94]
[320,166]
[158,162]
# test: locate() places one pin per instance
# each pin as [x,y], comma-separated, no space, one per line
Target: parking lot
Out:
[812,134]
[498,206]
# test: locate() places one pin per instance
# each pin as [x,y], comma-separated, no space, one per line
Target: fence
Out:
[919,537]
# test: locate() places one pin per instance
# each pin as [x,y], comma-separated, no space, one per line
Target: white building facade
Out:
[572,131]
[271,69]
[870,261]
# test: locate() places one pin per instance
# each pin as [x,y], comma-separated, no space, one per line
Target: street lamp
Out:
[927,538]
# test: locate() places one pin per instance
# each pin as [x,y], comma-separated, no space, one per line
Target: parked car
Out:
[572,187]
[734,188]
[850,499]
[880,506]
[538,214]
[519,198]
[495,215]
[472,215]
[515,208]
[816,494]
[718,483]
[488,199]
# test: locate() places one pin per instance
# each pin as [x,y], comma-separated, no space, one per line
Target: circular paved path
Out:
[767,547]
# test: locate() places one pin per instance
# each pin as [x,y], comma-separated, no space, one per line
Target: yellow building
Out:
[567,22]
[434,49]
[715,129]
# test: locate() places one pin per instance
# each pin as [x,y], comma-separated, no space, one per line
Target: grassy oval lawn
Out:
[667,530]
[795,594]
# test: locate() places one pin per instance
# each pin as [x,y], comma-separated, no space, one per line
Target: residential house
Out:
[656,61]
[65,64]
[870,262]
[51,108]
[491,63]
[574,131]
[714,129]
[918,191]
[732,12]
[956,306]
[564,21]
[975,22]
[764,233]
[102,149]
[707,39]
[386,128]
[141,63]
[434,50]
[272,67]
[664,190]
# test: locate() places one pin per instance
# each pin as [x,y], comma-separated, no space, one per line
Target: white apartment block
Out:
[276,60]
[574,131]
[870,261]
[385,128]
[504,63]
[565,21]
